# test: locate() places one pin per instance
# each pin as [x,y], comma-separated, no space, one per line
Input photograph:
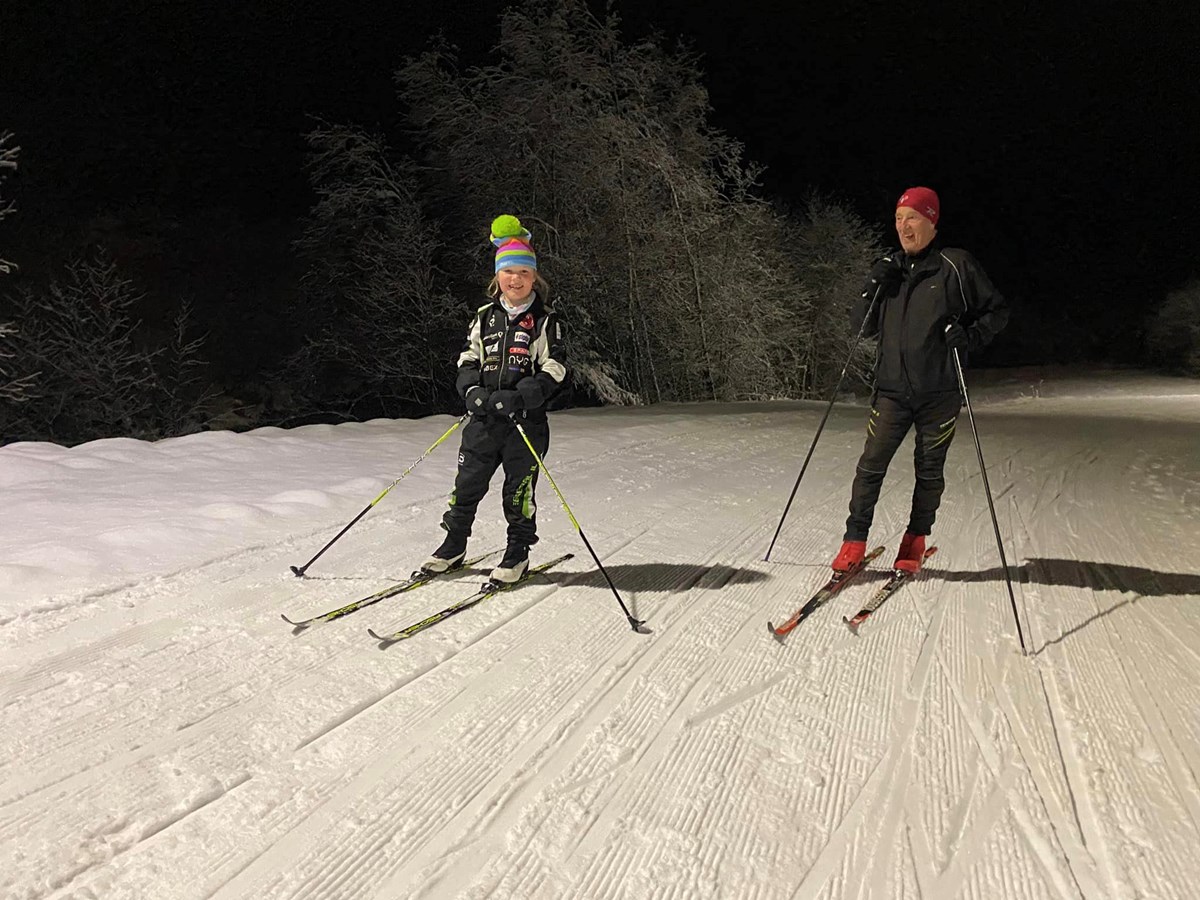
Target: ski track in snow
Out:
[172,738]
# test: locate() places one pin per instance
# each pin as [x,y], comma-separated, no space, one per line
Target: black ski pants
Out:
[934,416]
[489,442]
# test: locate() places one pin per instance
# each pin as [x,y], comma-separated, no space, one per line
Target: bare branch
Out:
[8,164]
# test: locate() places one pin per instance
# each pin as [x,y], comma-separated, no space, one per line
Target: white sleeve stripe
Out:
[545,362]
[474,349]
[555,370]
[962,293]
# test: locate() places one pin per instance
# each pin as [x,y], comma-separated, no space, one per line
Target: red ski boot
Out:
[849,556]
[911,553]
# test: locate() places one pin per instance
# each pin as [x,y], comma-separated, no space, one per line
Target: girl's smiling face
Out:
[516,284]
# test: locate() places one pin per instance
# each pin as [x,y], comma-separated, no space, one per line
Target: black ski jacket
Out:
[498,354]
[939,286]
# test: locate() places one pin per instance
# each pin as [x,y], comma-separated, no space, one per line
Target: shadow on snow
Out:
[1081,573]
[667,577]
[1090,575]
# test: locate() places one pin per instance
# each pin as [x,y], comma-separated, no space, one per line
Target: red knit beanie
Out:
[923,200]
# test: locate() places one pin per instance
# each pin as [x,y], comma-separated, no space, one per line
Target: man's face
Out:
[915,231]
[516,283]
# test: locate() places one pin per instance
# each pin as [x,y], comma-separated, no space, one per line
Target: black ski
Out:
[821,597]
[415,580]
[899,577]
[492,587]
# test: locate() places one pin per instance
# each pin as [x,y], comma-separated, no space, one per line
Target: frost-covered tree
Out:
[8,165]
[184,395]
[383,325]
[1173,333]
[14,388]
[14,385]
[79,334]
[677,281]
[833,249]
[96,379]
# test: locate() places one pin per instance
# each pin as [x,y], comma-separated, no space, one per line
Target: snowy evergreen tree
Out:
[96,378]
[1173,334]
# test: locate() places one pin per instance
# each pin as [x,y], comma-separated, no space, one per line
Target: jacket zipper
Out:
[503,351]
[904,332]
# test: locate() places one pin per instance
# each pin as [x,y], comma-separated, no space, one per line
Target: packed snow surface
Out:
[166,735]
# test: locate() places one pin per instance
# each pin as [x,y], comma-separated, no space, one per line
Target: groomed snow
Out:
[166,735]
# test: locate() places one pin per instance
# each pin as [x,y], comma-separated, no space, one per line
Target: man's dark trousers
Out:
[934,416]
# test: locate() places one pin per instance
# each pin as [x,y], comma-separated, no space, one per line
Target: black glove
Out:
[533,395]
[505,403]
[957,338]
[885,273]
[467,378]
[477,398]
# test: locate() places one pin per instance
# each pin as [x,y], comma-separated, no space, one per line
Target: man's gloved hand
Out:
[477,398]
[957,338]
[885,273]
[505,402]
[533,395]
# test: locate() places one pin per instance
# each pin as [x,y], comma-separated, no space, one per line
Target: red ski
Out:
[821,597]
[899,577]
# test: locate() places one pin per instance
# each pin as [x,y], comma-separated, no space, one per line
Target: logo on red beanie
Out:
[923,200]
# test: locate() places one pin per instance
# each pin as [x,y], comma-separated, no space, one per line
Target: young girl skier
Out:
[513,363]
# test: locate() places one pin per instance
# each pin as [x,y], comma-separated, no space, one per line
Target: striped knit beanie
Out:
[512,244]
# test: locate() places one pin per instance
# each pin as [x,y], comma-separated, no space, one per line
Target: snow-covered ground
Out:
[165,735]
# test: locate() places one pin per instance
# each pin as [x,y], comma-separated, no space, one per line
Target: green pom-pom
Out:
[507,226]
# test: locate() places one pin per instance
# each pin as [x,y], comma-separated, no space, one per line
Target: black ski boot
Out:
[446,557]
[513,566]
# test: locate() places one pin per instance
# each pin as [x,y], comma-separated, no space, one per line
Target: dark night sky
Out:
[1063,141]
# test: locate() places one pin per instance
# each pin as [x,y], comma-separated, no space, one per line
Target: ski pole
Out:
[299,572]
[635,624]
[962,386]
[824,419]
